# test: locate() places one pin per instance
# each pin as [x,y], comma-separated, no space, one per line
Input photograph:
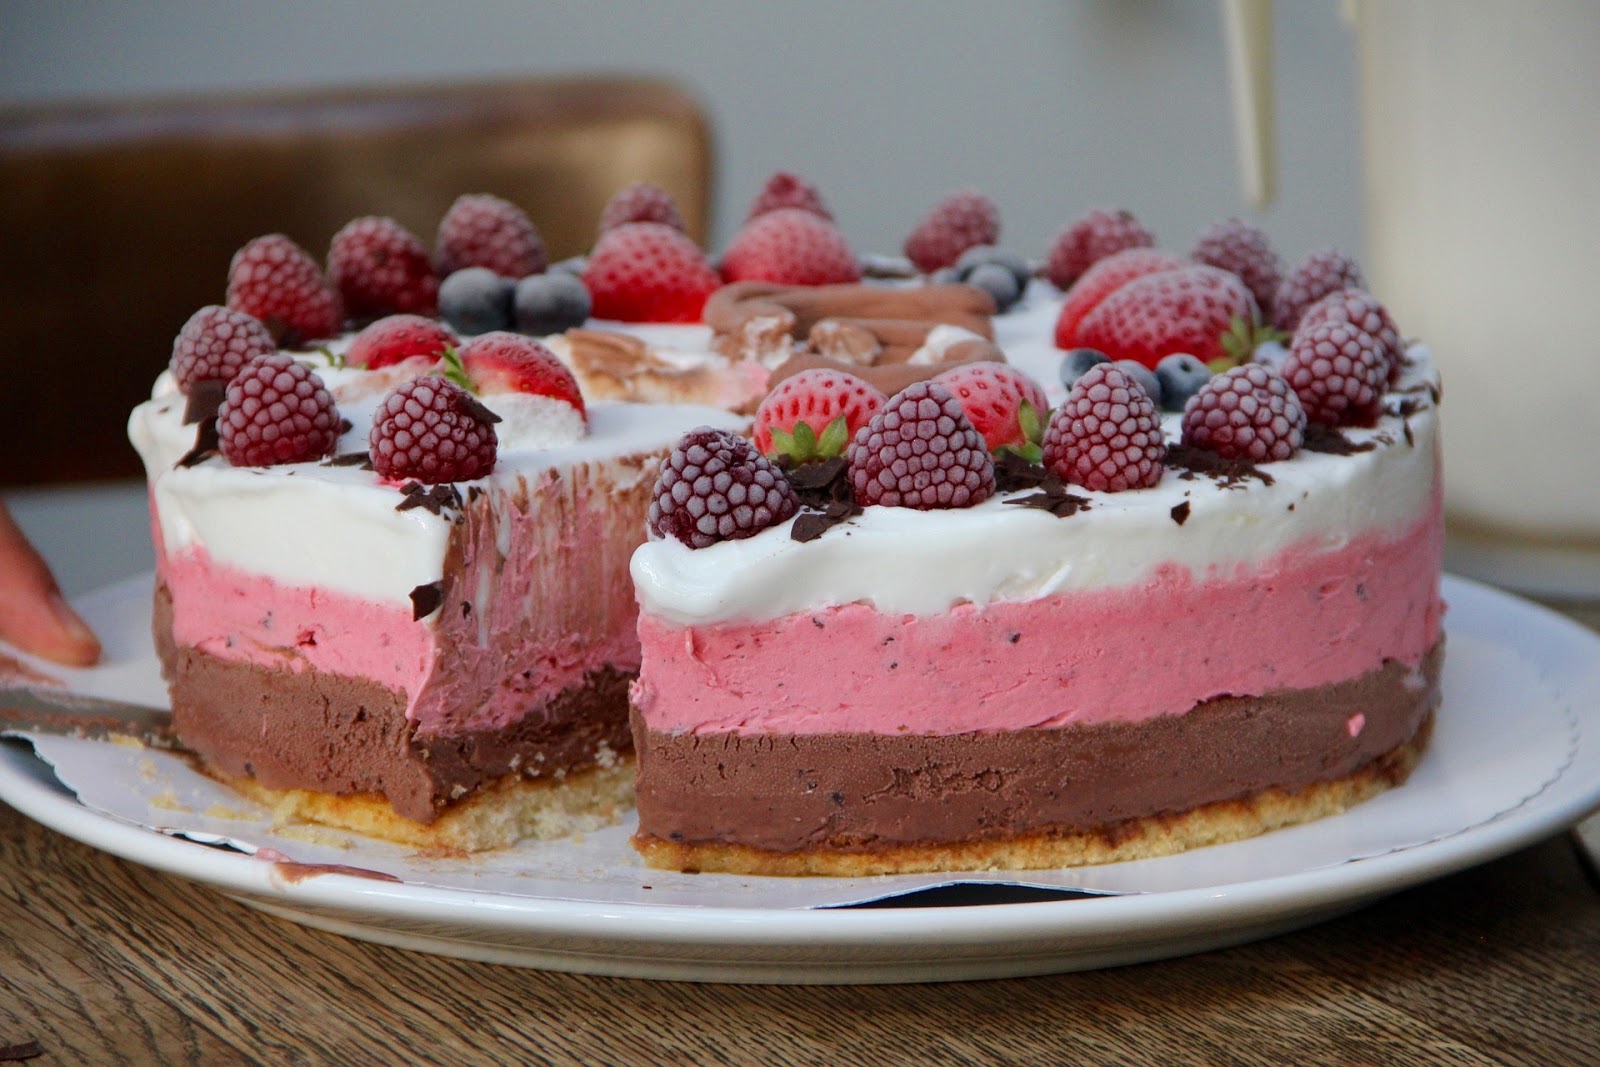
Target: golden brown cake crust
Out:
[509,810]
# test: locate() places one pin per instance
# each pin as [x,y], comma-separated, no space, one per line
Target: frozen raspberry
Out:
[1101,280]
[274,280]
[785,189]
[1003,404]
[432,430]
[1243,248]
[398,337]
[1106,435]
[1249,413]
[955,224]
[1315,277]
[790,246]
[382,268]
[480,230]
[920,451]
[715,487]
[1338,371]
[1100,233]
[215,343]
[641,202]
[648,272]
[1357,307]
[830,405]
[276,410]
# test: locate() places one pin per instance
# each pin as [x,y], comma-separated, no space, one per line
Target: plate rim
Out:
[1308,893]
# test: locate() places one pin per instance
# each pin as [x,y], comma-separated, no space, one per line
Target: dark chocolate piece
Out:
[425,599]
[207,443]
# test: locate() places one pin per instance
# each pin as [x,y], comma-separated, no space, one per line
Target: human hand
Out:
[33,614]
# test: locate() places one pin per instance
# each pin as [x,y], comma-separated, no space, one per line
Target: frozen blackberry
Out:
[715,487]
[276,410]
[1106,435]
[1248,413]
[920,451]
[432,430]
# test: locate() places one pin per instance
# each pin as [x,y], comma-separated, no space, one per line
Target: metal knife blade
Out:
[72,715]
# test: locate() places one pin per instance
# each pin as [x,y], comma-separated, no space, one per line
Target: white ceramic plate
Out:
[757,943]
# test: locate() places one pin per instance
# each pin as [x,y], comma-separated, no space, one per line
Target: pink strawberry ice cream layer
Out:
[531,583]
[1298,620]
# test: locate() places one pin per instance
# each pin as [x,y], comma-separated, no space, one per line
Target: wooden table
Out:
[104,961]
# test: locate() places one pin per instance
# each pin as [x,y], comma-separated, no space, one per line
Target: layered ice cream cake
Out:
[1176,586]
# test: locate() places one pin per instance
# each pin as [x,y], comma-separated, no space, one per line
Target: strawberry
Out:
[784,189]
[648,272]
[398,337]
[380,267]
[790,246]
[640,202]
[505,362]
[1101,280]
[814,414]
[274,280]
[1004,405]
[1201,310]
[955,224]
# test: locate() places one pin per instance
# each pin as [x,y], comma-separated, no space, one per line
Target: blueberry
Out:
[550,303]
[1077,362]
[1144,376]
[476,300]
[1273,354]
[571,265]
[944,276]
[1181,376]
[998,282]
[978,255]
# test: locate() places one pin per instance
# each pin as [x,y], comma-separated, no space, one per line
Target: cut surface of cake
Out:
[418,661]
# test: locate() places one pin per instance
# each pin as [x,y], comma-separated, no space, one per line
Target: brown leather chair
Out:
[117,221]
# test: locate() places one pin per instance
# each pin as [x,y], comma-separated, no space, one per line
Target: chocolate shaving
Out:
[345,426]
[1012,472]
[810,525]
[16,1053]
[1406,407]
[1405,425]
[205,397]
[1227,473]
[434,498]
[1180,512]
[1331,441]
[425,599]
[206,444]
[476,407]
[350,459]
[1053,497]
[821,485]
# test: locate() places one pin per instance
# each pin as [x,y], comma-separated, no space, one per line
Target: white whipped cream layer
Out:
[332,527]
[924,562]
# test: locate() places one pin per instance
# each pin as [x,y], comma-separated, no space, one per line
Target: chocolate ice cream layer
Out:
[854,792]
[305,729]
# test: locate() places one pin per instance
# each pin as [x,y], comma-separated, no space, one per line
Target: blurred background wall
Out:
[1049,106]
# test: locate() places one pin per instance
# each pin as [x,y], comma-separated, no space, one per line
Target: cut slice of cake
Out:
[437,655]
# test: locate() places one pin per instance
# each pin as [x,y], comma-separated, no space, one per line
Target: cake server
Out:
[72,715]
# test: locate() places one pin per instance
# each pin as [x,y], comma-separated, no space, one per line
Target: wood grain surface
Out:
[106,962]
